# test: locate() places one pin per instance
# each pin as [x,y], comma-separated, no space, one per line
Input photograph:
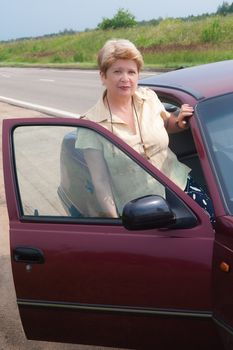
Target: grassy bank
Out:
[169,44]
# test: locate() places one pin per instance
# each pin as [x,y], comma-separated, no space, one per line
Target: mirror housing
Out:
[147,212]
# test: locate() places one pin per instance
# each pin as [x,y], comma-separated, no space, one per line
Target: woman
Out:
[136,115]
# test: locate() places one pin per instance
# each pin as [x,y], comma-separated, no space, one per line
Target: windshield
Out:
[216,117]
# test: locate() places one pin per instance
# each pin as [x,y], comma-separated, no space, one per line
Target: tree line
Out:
[225,9]
[125,19]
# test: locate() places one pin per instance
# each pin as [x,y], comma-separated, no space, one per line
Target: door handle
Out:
[28,255]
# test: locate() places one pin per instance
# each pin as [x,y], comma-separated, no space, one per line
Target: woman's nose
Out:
[125,76]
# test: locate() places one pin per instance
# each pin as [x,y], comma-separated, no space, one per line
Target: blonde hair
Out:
[116,49]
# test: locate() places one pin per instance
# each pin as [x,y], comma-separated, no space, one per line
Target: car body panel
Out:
[201,82]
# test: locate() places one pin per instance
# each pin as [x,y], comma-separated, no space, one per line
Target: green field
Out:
[170,44]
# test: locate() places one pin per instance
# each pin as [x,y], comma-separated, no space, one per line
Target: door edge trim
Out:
[222,324]
[115,309]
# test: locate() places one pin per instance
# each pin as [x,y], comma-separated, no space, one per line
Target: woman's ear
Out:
[102,77]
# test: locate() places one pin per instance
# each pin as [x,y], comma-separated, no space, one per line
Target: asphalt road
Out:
[70,91]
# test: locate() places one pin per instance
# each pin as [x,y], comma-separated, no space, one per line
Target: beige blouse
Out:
[149,129]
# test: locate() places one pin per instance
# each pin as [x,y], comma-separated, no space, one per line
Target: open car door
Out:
[85,278]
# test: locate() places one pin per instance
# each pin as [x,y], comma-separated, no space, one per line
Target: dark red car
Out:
[158,277]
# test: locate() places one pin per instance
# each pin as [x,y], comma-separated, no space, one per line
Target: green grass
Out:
[171,43]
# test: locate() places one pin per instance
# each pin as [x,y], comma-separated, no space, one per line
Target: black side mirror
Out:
[147,212]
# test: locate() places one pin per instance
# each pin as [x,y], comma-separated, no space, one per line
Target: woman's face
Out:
[121,78]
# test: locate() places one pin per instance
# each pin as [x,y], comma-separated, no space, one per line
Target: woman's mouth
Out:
[124,87]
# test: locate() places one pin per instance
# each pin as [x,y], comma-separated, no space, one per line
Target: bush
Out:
[122,19]
[79,57]
[212,33]
[56,59]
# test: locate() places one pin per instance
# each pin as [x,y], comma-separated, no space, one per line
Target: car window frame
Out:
[131,153]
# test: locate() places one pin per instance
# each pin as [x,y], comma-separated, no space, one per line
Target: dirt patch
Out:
[183,47]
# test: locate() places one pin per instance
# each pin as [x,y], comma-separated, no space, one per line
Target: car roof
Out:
[201,81]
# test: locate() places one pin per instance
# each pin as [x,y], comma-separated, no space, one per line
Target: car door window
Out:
[216,117]
[53,178]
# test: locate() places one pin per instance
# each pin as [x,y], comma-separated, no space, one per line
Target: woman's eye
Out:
[118,71]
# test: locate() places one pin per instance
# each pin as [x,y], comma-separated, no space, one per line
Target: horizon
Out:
[49,17]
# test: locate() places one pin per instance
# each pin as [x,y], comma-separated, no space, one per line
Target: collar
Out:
[100,112]
[141,94]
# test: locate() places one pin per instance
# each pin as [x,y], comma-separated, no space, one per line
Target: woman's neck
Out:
[119,102]
[122,108]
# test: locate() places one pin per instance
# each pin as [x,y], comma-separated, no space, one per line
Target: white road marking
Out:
[43,109]
[47,80]
[5,75]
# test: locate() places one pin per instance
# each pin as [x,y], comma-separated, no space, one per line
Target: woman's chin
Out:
[125,92]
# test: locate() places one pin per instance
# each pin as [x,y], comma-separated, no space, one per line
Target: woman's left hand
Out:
[186,112]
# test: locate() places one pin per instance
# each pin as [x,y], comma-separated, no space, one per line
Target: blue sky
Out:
[27,18]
